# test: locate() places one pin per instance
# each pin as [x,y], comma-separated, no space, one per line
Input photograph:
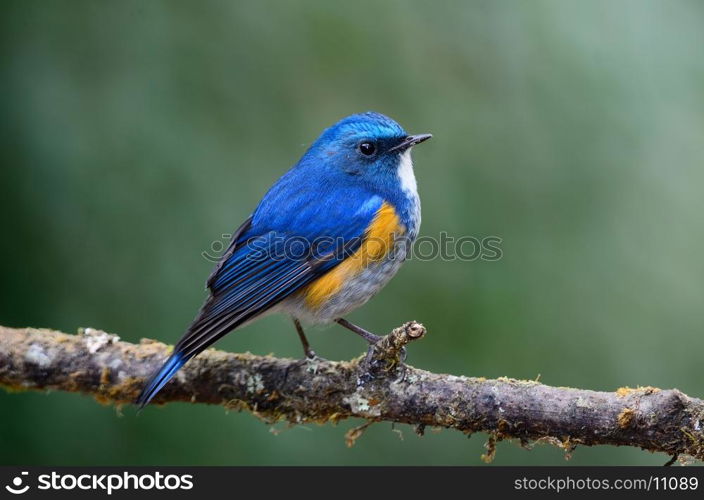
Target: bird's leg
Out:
[368,336]
[310,353]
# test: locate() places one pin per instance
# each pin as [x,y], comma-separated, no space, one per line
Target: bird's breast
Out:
[378,245]
[361,275]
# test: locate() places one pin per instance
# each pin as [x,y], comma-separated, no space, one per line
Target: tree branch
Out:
[376,387]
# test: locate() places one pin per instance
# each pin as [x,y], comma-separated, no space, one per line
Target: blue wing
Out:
[295,235]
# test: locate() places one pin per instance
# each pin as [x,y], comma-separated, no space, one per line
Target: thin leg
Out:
[310,353]
[368,336]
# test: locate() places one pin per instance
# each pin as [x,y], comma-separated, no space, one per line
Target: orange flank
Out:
[378,241]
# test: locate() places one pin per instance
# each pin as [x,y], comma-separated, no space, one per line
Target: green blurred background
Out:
[134,134]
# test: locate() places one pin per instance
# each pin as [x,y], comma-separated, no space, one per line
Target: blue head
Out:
[364,148]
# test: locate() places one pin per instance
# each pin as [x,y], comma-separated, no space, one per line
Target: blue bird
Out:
[327,236]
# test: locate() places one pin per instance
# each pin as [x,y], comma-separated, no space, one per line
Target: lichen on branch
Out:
[375,387]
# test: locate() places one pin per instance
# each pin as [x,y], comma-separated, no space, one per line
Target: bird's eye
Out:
[367,148]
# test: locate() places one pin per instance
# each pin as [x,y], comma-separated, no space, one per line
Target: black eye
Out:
[367,148]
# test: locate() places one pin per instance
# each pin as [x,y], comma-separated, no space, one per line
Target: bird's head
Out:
[368,145]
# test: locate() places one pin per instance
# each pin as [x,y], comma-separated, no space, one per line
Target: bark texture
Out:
[376,387]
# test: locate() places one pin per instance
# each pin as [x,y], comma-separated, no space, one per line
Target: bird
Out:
[325,238]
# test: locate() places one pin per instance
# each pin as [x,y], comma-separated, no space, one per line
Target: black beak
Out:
[411,141]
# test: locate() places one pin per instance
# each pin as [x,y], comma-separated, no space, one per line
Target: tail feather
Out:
[240,290]
[159,379]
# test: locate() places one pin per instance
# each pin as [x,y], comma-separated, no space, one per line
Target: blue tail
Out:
[160,378]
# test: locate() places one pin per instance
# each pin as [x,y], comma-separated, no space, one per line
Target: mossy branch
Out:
[376,387]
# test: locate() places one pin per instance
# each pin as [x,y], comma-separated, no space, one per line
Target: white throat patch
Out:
[410,189]
[406,176]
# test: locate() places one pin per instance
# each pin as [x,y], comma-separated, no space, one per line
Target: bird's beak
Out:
[411,141]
